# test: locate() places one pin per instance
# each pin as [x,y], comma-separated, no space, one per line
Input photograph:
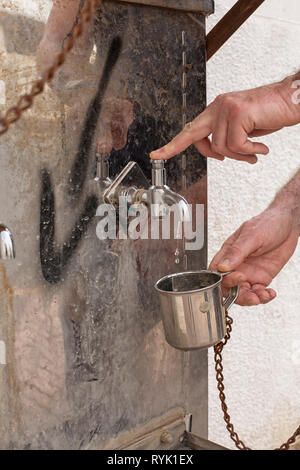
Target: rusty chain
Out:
[218,349]
[26,101]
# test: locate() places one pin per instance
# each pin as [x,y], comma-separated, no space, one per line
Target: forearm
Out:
[289,89]
[288,199]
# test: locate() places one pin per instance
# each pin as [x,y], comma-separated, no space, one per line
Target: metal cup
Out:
[193,308]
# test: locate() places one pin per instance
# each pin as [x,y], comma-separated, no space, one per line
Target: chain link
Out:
[218,349]
[26,101]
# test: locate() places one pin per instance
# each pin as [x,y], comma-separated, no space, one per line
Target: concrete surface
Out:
[262,361]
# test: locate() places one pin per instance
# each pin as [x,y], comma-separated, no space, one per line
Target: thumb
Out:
[238,252]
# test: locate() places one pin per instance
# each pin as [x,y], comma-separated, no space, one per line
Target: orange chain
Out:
[221,387]
[26,101]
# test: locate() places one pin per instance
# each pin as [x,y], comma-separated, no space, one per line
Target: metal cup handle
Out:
[233,295]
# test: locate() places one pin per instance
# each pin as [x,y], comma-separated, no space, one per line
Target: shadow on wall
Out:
[21,35]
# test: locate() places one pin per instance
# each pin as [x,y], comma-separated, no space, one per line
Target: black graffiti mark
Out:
[79,169]
[53,259]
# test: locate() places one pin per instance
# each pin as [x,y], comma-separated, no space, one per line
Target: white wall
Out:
[263,358]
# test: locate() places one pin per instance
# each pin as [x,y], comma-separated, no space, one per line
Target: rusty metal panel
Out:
[86,357]
[206,7]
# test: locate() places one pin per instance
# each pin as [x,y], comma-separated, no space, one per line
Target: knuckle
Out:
[219,99]
[228,101]
[189,127]
[234,105]
[236,108]
[246,227]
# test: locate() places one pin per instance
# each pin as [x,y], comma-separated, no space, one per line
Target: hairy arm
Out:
[262,246]
[288,200]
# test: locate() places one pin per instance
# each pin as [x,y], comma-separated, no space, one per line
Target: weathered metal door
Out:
[84,357]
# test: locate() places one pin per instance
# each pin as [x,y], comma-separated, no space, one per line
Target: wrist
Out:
[287,201]
[289,90]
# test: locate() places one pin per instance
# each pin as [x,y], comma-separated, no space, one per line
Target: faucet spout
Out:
[7,250]
[183,208]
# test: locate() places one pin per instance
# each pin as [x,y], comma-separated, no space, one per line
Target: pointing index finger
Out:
[193,132]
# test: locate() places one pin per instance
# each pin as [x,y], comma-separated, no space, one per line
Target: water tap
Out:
[161,198]
[7,250]
[102,170]
[131,184]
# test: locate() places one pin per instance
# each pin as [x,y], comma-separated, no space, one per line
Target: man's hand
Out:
[233,118]
[257,251]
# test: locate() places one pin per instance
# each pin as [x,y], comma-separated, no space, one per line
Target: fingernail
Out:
[224,265]
[157,152]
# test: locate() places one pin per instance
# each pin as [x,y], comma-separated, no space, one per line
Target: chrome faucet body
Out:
[159,197]
[7,250]
[102,170]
